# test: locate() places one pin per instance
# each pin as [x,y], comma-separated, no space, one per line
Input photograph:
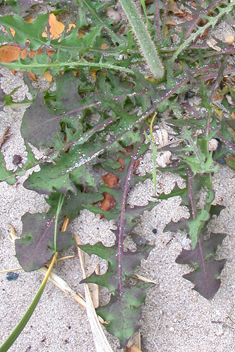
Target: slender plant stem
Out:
[59,206]
[17,65]
[157,16]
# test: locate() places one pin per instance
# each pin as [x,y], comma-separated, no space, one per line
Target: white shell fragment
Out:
[213,144]
[113,15]
[229,39]
[211,42]
[162,137]
[163,159]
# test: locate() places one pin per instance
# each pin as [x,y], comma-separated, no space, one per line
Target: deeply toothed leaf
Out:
[206,267]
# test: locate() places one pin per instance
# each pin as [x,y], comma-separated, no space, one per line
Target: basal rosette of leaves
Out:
[92,126]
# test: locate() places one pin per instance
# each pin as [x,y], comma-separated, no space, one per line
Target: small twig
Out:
[231,319]
[134,348]
[157,16]
[10,270]
[5,136]
[158,324]
[222,322]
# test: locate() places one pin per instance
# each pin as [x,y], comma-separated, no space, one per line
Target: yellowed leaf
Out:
[80,34]
[9,53]
[170,22]
[103,46]
[71,25]
[56,27]
[173,7]
[32,76]
[12,32]
[93,74]
[29,19]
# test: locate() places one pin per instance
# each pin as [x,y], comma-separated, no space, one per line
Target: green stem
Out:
[147,47]
[59,206]
[16,65]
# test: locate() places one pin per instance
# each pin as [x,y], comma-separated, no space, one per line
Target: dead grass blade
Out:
[101,342]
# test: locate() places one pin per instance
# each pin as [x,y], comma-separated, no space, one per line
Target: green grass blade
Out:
[60,204]
[145,13]
[154,168]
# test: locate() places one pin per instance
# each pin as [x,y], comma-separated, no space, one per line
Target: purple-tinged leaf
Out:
[22,6]
[73,203]
[124,320]
[216,209]
[41,121]
[230,161]
[182,192]
[36,245]
[130,260]
[206,268]
[49,180]
[124,309]
[177,226]
[6,175]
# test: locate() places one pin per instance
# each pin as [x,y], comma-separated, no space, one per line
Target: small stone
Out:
[17,159]
[163,159]
[229,39]
[12,276]
[213,144]
[172,329]
[113,15]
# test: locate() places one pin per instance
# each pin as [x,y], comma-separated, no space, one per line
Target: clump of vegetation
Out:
[121,72]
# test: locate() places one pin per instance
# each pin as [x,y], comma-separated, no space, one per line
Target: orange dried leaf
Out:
[80,34]
[172,7]
[29,20]
[103,46]
[56,27]
[170,22]
[71,25]
[65,224]
[120,161]
[108,202]
[30,54]
[136,164]
[48,76]
[32,76]
[9,53]
[110,180]
[13,32]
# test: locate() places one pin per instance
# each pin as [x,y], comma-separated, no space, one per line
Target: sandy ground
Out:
[175,318]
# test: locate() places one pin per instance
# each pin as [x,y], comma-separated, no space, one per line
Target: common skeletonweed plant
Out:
[92,125]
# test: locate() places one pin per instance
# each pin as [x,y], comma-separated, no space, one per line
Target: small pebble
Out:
[229,39]
[17,159]
[12,276]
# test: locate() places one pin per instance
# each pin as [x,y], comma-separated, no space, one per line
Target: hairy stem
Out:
[147,47]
